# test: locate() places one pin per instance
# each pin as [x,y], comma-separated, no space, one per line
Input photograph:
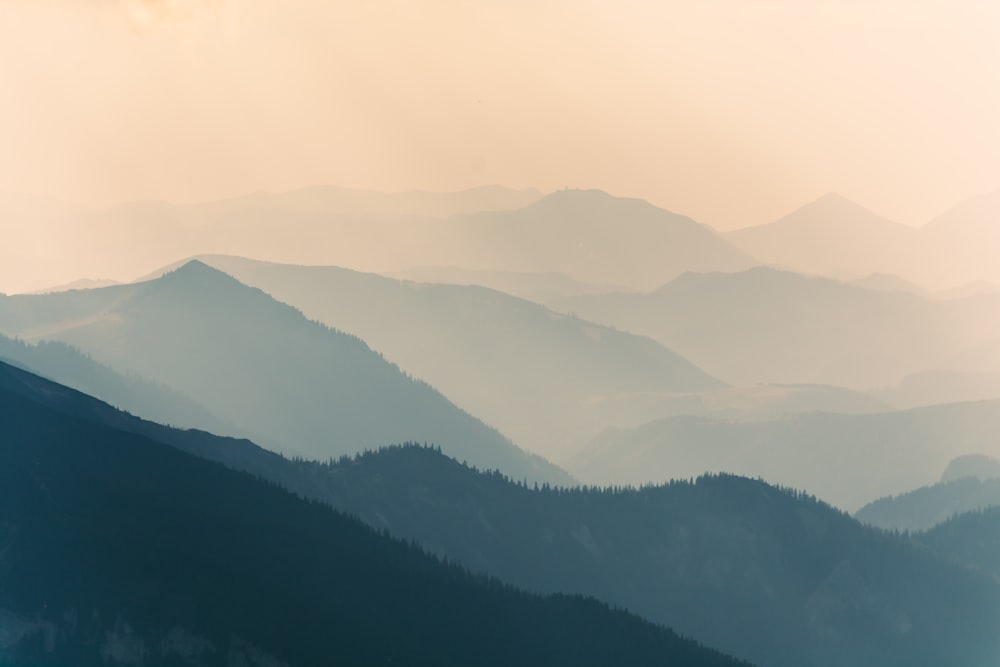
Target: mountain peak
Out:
[194,270]
[573,197]
[837,204]
[592,202]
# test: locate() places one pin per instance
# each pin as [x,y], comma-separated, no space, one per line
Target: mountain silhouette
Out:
[537,287]
[766,571]
[835,237]
[766,325]
[968,234]
[969,483]
[847,460]
[922,509]
[68,366]
[298,386]
[547,380]
[838,238]
[594,237]
[589,236]
[971,539]
[887,282]
[933,387]
[117,549]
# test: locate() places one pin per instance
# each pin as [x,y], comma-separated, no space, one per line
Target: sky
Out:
[734,113]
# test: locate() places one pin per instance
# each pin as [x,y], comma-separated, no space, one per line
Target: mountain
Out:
[969,483]
[742,404]
[589,236]
[68,366]
[832,236]
[928,506]
[368,203]
[82,283]
[765,325]
[53,243]
[932,387]
[970,233]
[298,386]
[537,287]
[971,539]
[593,237]
[847,460]
[767,574]
[120,550]
[548,381]
[837,238]
[972,465]
[886,282]
[766,571]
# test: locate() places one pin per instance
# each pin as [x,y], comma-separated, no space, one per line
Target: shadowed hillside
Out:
[835,237]
[120,550]
[765,325]
[295,384]
[847,460]
[68,366]
[734,562]
[547,380]
[969,483]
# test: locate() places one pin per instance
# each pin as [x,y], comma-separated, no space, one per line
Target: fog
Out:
[599,333]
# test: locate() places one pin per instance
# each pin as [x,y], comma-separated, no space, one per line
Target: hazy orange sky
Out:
[731,112]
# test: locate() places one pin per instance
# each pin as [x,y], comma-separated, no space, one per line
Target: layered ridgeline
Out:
[538,287]
[588,236]
[847,460]
[298,386]
[971,539]
[547,380]
[117,549]
[147,399]
[836,237]
[762,572]
[969,483]
[59,242]
[765,325]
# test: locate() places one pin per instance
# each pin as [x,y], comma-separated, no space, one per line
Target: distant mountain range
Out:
[594,237]
[835,237]
[117,549]
[588,236]
[971,539]
[538,287]
[547,380]
[969,483]
[301,387]
[766,325]
[67,365]
[847,460]
[754,569]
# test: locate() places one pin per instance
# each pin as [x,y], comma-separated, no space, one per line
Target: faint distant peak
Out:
[195,271]
[80,284]
[834,202]
[577,200]
[979,210]
[831,212]
[888,282]
[761,278]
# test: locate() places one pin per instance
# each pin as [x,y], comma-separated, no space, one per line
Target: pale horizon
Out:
[729,113]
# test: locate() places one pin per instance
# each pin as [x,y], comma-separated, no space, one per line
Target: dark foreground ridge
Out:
[117,549]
